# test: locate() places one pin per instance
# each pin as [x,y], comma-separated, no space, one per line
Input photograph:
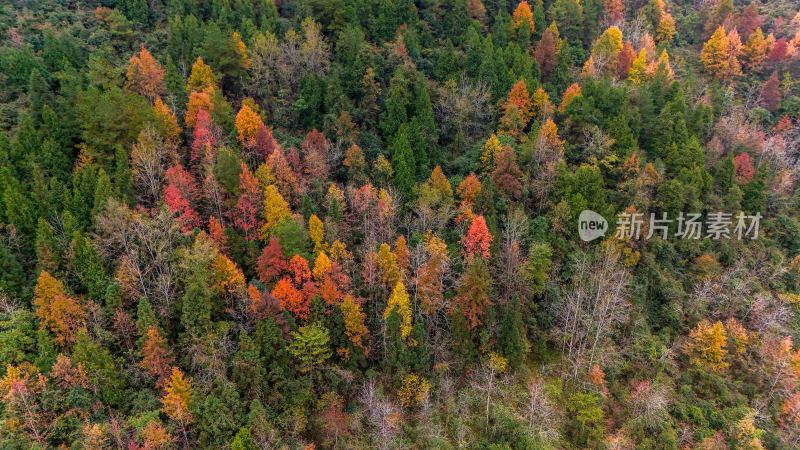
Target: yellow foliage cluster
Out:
[490,150]
[248,122]
[201,77]
[241,49]
[275,209]
[316,230]
[228,278]
[353,316]
[707,346]
[720,52]
[542,108]
[414,390]
[178,397]
[387,265]
[497,362]
[321,265]
[400,301]
[167,120]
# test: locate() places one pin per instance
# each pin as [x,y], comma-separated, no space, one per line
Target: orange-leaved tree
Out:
[145,74]
[57,311]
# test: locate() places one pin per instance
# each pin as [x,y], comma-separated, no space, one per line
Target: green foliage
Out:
[243,440]
[586,424]
[227,170]
[538,268]
[218,414]
[293,237]
[403,163]
[101,367]
[199,301]
[310,347]
[88,267]
[17,337]
[99,111]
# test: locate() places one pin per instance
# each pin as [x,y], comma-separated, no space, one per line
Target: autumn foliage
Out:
[707,346]
[478,240]
[291,298]
[179,194]
[177,399]
[59,313]
[248,208]
[743,167]
[157,359]
[400,303]
[248,125]
[272,261]
[523,15]
[314,224]
[517,109]
[145,74]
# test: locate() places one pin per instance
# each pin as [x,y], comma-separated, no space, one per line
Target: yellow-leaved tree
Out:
[241,50]
[387,265]
[638,71]
[542,108]
[275,209]
[353,317]
[227,277]
[316,230]
[201,77]
[755,50]
[248,122]
[177,400]
[716,55]
[321,266]
[707,346]
[400,302]
[178,397]
[491,148]
[166,121]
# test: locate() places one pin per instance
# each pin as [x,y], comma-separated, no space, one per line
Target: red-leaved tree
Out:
[478,240]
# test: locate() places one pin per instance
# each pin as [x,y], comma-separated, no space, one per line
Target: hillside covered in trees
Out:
[354,224]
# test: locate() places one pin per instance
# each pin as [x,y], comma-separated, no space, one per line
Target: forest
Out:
[360,224]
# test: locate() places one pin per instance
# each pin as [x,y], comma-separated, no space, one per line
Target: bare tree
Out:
[733,293]
[150,157]
[465,108]
[278,65]
[596,143]
[489,377]
[776,366]
[382,415]
[509,275]
[593,309]
[145,246]
[650,403]
[209,357]
[540,412]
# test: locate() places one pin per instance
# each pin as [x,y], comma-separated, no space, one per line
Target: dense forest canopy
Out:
[352,224]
